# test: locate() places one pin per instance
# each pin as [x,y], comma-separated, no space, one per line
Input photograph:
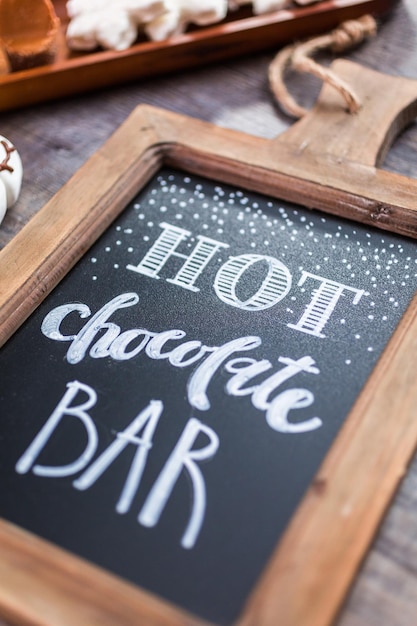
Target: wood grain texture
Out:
[79,593]
[242,32]
[55,139]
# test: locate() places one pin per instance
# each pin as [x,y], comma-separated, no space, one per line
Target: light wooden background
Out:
[55,139]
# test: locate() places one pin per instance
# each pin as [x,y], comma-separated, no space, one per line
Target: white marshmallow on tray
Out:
[111,30]
[11,172]
[262,6]
[143,11]
[111,24]
[137,9]
[267,6]
[180,13]
[114,24]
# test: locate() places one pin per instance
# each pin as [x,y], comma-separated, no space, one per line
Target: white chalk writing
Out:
[114,343]
[274,287]
[183,457]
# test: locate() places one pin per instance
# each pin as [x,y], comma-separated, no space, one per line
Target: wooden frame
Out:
[315,561]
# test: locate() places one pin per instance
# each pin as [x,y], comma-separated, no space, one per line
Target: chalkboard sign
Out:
[166,410]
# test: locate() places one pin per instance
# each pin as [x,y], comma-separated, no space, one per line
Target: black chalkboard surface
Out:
[166,407]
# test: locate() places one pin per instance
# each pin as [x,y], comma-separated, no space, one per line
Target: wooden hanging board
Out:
[61,538]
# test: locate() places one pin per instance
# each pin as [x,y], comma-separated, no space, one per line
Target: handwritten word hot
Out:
[273,288]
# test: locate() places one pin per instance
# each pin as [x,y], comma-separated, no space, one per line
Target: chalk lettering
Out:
[244,370]
[262,393]
[210,360]
[182,457]
[202,376]
[82,341]
[166,246]
[147,420]
[64,407]
[275,286]
[324,301]
[277,409]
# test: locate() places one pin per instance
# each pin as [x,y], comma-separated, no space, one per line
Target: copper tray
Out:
[242,33]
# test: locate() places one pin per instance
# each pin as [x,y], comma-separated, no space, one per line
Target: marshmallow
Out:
[166,25]
[112,31]
[78,7]
[112,24]
[144,11]
[203,13]
[180,13]
[11,173]
[264,6]
[267,6]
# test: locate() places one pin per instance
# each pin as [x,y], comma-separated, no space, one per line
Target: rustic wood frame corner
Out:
[315,561]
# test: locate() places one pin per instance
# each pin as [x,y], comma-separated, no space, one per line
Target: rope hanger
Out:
[298,57]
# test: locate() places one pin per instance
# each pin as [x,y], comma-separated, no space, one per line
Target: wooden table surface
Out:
[55,139]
